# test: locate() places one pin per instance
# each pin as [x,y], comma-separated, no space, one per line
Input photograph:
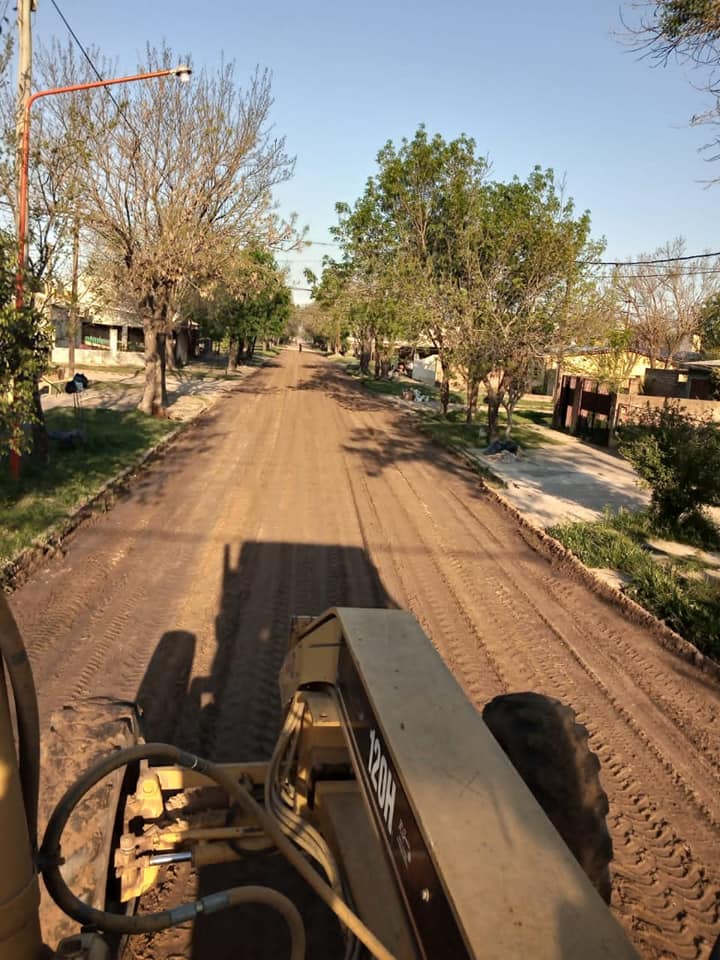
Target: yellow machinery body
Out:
[387,775]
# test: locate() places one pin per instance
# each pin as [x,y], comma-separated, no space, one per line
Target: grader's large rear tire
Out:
[550,751]
[81,733]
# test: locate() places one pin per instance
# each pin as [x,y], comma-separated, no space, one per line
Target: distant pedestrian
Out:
[300,345]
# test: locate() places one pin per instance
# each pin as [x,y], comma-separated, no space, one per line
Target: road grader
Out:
[430,830]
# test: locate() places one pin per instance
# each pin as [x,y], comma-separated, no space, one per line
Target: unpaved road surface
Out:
[301,491]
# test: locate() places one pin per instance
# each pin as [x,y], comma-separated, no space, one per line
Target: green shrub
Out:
[678,458]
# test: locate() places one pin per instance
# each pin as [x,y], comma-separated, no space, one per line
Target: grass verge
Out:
[45,495]
[437,429]
[669,590]
[395,388]
[454,431]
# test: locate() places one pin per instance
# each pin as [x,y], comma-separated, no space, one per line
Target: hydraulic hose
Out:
[15,658]
[147,923]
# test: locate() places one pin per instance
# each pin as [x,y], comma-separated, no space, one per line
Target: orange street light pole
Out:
[182,72]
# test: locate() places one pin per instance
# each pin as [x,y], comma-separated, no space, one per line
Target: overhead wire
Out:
[659,275]
[647,263]
[120,109]
[600,263]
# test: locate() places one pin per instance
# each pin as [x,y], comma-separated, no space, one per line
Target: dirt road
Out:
[300,491]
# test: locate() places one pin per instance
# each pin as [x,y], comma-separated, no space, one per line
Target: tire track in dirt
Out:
[302,491]
[682,879]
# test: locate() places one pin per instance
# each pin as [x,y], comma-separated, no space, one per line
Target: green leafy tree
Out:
[252,303]
[24,352]
[490,273]
[397,238]
[310,321]
[709,327]
[525,266]
[678,457]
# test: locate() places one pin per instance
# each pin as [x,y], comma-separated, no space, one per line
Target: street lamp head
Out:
[182,72]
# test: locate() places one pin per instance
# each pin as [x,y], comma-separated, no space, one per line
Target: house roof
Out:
[702,364]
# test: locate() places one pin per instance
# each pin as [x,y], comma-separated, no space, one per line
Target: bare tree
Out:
[179,178]
[664,301]
[57,145]
[689,31]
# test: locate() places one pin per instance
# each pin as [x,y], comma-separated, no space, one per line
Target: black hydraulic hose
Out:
[15,658]
[50,854]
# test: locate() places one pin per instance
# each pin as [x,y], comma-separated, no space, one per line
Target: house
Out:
[693,380]
[108,335]
[606,364]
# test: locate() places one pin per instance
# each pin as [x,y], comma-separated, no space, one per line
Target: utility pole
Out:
[73,317]
[24,10]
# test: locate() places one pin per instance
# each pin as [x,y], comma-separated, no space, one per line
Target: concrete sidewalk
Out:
[190,389]
[568,480]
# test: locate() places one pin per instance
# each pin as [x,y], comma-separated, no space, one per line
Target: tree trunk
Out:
[445,395]
[162,352]
[509,410]
[251,347]
[169,353]
[151,401]
[473,388]
[73,312]
[232,360]
[493,412]
[41,443]
[364,359]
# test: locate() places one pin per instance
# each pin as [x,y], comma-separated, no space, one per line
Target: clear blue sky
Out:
[533,83]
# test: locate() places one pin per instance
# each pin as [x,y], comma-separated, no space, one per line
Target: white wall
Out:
[98,358]
[425,371]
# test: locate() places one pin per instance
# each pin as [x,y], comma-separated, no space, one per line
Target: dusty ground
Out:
[301,491]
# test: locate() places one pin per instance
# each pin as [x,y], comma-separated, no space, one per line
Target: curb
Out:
[15,571]
[539,540]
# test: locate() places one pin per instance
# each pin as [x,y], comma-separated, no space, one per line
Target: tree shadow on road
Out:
[197,440]
[338,386]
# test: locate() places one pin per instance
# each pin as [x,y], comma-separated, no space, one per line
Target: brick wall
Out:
[628,406]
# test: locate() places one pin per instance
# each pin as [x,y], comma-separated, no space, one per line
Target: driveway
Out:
[565,480]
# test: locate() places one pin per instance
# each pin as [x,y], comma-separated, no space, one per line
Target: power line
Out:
[97,73]
[648,263]
[659,275]
[589,263]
